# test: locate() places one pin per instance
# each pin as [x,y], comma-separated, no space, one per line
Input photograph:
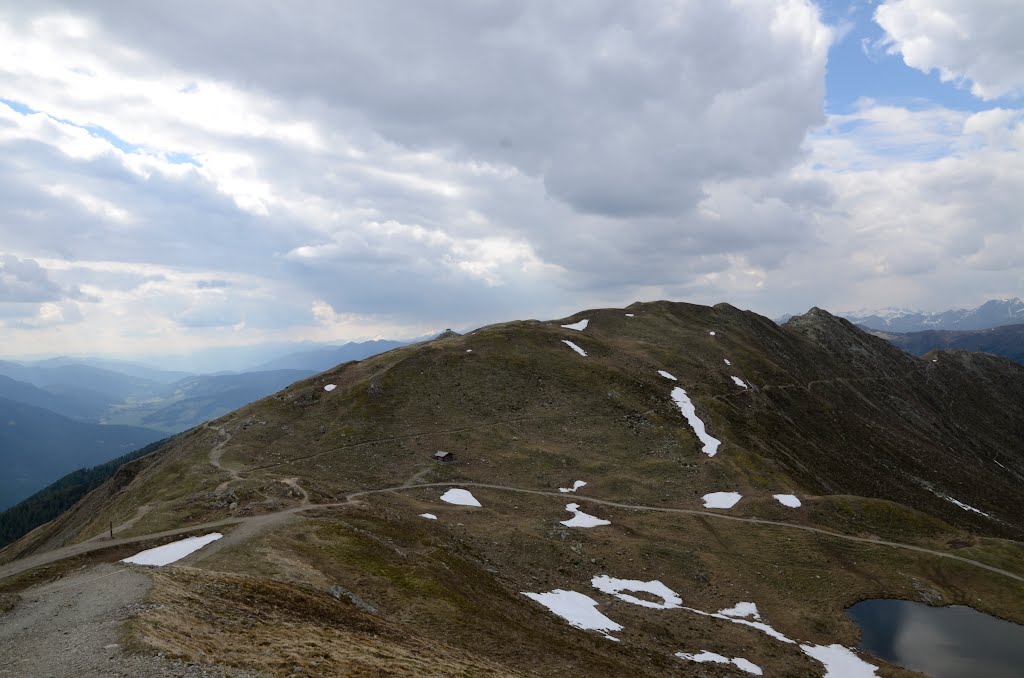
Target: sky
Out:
[179,176]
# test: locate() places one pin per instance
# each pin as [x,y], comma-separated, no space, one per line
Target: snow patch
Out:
[739,382]
[727,361]
[789,500]
[428,516]
[577,609]
[741,611]
[574,347]
[739,662]
[630,315]
[667,375]
[459,497]
[690,412]
[615,587]
[966,507]
[721,500]
[579,327]
[330,387]
[840,662]
[760,626]
[712,333]
[469,350]
[575,486]
[173,552]
[581,519]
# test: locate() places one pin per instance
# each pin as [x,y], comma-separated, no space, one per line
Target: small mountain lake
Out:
[942,642]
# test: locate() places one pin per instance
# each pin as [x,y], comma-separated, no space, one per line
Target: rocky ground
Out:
[72,628]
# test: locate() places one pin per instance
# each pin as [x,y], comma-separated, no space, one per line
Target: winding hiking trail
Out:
[217,451]
[256,524]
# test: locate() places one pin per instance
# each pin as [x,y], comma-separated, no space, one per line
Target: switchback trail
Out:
[37,560]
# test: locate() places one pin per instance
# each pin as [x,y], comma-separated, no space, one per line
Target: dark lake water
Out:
[942,642]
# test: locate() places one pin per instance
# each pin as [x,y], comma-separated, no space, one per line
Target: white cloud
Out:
[977,42]
[354,170]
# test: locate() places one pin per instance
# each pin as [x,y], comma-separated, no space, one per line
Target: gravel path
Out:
[70,628]
[270,519]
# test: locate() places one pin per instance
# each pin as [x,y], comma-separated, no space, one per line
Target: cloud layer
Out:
[193,173]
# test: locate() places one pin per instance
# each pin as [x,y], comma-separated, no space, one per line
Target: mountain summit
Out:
[623,491]
[993,313]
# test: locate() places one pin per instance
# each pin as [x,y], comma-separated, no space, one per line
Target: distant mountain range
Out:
[61,414]
[993,313]
[321,359]
[193,400]
[1007,341]
[39,446]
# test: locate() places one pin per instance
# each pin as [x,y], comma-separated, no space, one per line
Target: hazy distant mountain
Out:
[1007,341]
[81,406]
[993,313]
[82,379]
[38,446]
[191,401]
[126,367]
[320,359]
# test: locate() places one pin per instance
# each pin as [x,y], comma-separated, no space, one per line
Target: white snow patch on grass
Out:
[629,315]
[704,657]
[739,382]
[740,663]
[469,350]
[459,497]
[760,626]
[741,610]
[966,507]
[575,486]
[789,500]
[579,327]
[581,519]
[667,375]
[712,333]
[690,412]
[670,599]
[330,387]
[721,500]
[727,361]
[173,552]
[574,347]
[428,516]
[577,609]
[748,666]
[840,662]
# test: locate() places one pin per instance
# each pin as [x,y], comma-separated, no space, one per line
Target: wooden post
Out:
[111,529]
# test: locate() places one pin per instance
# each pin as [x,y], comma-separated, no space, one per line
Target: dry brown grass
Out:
[284,628]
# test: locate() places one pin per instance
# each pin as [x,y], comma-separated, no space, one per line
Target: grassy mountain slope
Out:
[876,443]
[1007,341]
[40,446]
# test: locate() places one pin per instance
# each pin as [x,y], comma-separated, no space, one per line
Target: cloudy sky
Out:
[187,174]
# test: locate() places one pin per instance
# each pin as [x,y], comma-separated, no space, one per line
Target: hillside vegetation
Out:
[324,490]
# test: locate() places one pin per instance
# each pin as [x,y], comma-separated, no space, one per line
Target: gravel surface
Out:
[71,628]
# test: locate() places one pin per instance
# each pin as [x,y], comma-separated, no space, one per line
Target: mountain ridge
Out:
[992,313]
[323,489]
